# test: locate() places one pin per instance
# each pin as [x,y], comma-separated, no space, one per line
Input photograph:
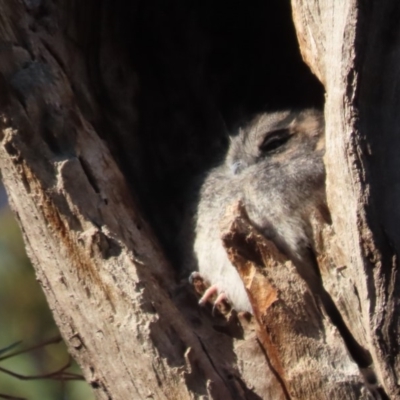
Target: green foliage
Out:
[25,316]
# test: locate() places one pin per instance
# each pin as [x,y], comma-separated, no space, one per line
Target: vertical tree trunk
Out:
[81,94]
[356,62]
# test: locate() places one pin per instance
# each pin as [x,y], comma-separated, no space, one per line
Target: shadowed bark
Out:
[108,109]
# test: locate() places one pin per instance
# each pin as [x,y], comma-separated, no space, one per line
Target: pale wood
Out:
[134,329]
[303,346]
[346,44]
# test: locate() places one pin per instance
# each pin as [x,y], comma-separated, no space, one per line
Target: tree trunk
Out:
[356,62]
[107,110]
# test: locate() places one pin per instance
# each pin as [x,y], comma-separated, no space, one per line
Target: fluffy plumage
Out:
[275,167]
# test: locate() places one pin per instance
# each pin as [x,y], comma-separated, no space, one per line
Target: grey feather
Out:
[275,167]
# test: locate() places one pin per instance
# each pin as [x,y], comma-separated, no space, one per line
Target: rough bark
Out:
[353,59]
[318,364]
[69,137]
[113,295]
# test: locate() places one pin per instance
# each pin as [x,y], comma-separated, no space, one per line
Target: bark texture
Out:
[104,114]
[112,293]
[353,59]
[318,365]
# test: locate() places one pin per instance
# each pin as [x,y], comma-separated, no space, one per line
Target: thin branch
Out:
[54,340]
[56,375]
[11,346]
[8,397]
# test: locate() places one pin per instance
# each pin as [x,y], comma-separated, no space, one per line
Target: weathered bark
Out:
[355,59]
[113,295]
[317,364]
[71,154]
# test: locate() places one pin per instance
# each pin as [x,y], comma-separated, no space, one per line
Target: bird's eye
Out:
[274,140]
[237,167]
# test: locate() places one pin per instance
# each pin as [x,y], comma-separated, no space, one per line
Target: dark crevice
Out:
[209,358]
[311,274]
[56,57]
[89,175]
[158,378]
[360,355]
[383,396]
[250,395]
[275,372]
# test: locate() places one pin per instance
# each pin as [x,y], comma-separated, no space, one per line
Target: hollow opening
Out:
[203,68]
